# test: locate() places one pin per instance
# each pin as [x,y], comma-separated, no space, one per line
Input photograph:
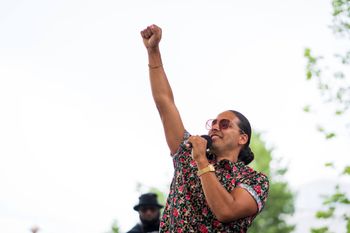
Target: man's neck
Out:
[227,155]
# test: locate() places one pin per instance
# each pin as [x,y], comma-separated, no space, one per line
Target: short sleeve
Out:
[258,186]
[182,146]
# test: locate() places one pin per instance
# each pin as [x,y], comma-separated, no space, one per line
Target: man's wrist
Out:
[154,57]
[153,50]
[202,163]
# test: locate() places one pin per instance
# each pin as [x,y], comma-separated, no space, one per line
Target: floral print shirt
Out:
[186,209]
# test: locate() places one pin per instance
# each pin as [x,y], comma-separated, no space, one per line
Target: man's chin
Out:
[150,222]
[215,146]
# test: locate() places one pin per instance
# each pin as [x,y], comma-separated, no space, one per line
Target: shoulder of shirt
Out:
[255,172]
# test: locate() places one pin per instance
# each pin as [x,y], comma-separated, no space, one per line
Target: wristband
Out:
[209,168]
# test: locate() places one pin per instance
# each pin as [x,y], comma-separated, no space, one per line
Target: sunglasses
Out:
[144,209]
[223,124]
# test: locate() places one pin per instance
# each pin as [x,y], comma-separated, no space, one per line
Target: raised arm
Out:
[161,90]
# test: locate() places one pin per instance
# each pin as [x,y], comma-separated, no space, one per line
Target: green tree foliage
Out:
[332,82]
[335,206]
[334,89]
[114,227]
[280,203]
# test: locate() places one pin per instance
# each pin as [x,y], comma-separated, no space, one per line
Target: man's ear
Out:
[243,139]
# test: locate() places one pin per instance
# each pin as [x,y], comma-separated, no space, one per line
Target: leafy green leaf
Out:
[320,129]
[319,230]
[339,112]
[325,214]
[330,135]
[306,108]
[308,75]
[346,170]
[307,52]
[329,164]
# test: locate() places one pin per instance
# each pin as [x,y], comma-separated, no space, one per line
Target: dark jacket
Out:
[138,229]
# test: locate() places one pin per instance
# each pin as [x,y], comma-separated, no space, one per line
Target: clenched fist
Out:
[151,36]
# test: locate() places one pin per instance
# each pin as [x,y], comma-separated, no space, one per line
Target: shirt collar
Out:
[227,164]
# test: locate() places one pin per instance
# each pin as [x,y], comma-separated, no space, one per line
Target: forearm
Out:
[161,90]
[218,198]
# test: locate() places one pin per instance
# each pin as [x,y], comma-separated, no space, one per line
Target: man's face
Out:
[228,137]
[149,213]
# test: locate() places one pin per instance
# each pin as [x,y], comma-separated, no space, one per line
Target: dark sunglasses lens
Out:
[224,124]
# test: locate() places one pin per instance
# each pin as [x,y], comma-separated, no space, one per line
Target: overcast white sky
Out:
[78,127]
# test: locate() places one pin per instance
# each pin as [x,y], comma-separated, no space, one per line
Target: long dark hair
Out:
[246,155]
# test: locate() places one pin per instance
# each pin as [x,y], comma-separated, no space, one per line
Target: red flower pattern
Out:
[203,229]
[257,189]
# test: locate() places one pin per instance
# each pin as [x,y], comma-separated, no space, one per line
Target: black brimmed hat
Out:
[148,199]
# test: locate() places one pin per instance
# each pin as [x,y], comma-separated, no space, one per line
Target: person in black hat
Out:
[149,213]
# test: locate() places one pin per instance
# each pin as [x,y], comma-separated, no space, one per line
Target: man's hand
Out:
[199,147]
[151,36]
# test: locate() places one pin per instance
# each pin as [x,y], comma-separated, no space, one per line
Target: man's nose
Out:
[215,127]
